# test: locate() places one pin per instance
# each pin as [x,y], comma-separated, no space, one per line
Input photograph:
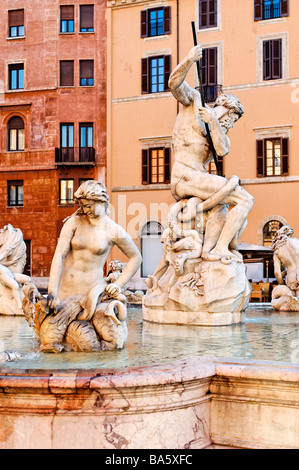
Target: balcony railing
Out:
[75,155]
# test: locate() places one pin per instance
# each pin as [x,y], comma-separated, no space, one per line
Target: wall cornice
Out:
[129,3]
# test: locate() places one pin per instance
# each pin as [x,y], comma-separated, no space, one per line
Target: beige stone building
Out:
[250,49]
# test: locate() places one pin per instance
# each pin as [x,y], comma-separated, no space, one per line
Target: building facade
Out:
[52,115]
[250,50]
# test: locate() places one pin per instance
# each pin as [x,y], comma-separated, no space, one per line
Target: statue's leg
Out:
[214,225]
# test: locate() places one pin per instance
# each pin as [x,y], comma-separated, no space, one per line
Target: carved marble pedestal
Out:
[207,293]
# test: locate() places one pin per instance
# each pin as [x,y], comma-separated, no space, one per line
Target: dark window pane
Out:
[86,18]
[86,72]
[66,73]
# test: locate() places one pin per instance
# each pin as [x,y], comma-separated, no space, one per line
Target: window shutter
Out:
[212,13]
[284,7]
[16,18]
[144,23]
[67,12]
[276,59]
[220,164]
[86,16]
[203,14]
[66,73]
[212,66]
[167,71]
[260,158]
[204,67]
[285,156]
[258,10]
[167,165]
[144,75]
[167,20]
[267,60]
[145,167]
[86,68]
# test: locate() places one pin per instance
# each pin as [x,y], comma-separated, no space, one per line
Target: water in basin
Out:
[265,335]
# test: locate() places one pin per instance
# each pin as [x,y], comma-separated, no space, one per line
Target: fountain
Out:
[82,370]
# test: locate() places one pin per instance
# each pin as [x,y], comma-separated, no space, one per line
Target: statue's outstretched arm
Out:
[180,89]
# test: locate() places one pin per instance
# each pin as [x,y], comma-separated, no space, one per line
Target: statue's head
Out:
[229,109]
[94,191]
[116,265]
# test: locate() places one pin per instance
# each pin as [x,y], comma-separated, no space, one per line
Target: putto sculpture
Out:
[83,312]
[12,263]
[201,277]
[285,248]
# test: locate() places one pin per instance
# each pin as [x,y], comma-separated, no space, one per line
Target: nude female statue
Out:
[84,245]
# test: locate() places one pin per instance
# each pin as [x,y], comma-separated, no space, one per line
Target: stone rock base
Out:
[176,317]
[206,293]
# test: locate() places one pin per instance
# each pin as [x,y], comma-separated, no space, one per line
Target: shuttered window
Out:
[66,191]
[155,72]
[66,73]
[67,19]
[16,23]
[207,14]
[272,59]
[86,73]
[272,157]
[212,167]
[156,165]
[209,73]
[269,9]
[86,18]
[155,22]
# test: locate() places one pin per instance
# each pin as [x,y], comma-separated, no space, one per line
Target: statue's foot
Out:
[151,282]
[237,254]
[225,256]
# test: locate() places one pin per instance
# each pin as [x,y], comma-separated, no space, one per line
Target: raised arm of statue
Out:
[180,89]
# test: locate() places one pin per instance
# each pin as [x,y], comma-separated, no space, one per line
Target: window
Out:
[16,134]
[67,19]
[86,19]
[66,142]
[155,73]
[273,157]
[207,14]
[16,23]
[15,193]
[27,267]
[155,22]
[269,231]
[156,165]
[211,168]
[66,191]
[16,76]
[86,72]
[66,73]
[269,9]
[272,59]
[86,143]
[209,73]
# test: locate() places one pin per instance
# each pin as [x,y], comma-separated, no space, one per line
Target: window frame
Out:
[259,10]
[91,30]
[17,129]
[17,184]
[271,60]
[68,18]
[18,26]
[261,156]
[86,78]
[67,202]
[19,66]
[145,29]
[209,25]
[72,73]
[147,165]
[86,153]
[146,73]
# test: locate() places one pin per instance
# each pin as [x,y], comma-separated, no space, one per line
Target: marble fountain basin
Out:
[171,387]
